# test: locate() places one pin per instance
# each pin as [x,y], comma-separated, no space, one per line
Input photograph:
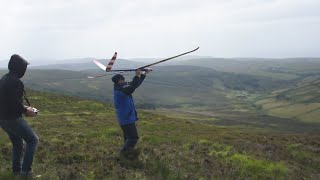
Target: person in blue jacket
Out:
[125,109]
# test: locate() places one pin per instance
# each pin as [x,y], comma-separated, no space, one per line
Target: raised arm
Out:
[134,84]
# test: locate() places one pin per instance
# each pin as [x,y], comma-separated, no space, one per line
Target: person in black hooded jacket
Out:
[11,121]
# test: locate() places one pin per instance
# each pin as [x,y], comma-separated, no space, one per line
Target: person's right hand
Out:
[30,112]
[138,72]
[147,71]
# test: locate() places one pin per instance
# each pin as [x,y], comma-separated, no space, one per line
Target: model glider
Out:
[109,69]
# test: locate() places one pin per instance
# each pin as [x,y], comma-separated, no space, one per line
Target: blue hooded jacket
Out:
[123,101]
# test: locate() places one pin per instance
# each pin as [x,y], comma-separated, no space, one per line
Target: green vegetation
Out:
[80,139]
[301,101]
[166,87]
[243,120]
[243,88]
[281,69]
[229,119]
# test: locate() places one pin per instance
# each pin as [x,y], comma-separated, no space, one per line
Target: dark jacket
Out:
[123,101]
[12,89]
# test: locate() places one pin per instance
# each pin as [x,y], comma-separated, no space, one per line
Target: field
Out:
[300,102]
[200,119]
[80,139]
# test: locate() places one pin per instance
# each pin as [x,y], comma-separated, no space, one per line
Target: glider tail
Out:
[111,62]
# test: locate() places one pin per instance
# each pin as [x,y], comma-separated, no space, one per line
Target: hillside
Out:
[202,90]
[301,101]
[167,86]
[80,139]
[281,69]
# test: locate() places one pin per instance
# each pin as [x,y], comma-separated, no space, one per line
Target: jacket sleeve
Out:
[16,97]
[133,85]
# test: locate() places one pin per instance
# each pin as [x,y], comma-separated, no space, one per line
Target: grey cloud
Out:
[150,28]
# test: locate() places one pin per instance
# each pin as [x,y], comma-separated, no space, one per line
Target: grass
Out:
[241,119]
[294,110]
[81,139]
[311,117]
[170,86]
[299,102]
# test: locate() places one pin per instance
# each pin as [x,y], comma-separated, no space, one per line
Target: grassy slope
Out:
[244,120]
[173,86]
[301,102]
[80,139]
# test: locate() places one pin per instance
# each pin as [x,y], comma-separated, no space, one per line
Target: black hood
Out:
[17,65]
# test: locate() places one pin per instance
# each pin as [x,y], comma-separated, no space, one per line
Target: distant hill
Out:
[167,86]
[88,64]
[45,61]
[179,59]
[282,69]
[4,64]
[300,101]
[68,66]
[210,85]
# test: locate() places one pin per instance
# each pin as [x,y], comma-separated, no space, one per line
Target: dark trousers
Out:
[130,135]
[18,130]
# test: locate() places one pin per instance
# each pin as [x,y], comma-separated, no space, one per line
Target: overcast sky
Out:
[61,29]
